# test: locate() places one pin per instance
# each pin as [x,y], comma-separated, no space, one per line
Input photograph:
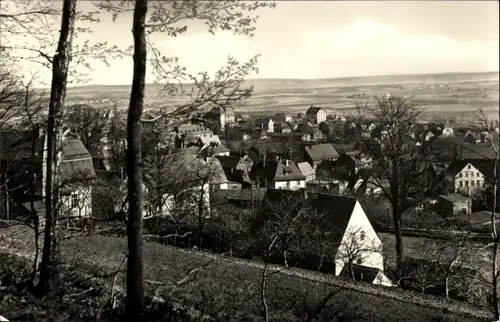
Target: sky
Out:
[328,39]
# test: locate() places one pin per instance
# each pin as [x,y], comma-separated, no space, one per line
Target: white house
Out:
[265,124]
[77,173]
[352,238]
[470,174]
[315,115]
[281,175]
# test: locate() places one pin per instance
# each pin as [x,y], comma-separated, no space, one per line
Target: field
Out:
[229,289]
[440,94]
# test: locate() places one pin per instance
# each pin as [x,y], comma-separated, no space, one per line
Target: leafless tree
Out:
[49,274]
[483,122]
[171,18]
[406,173]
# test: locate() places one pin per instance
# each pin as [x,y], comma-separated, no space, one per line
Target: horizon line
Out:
[296,79]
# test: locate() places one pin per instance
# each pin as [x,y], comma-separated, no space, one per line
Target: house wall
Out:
[383,280]
[187,204]
[270,126]
[289,185]
[369,247]
[469,177]
[321,116]
[78,203]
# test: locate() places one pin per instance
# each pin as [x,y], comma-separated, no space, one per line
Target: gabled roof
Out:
[319,152]
[279,118]
[313,110]
[305,168]
[331,213]
[484,166]
[476,151]
[455,197]
[277,171]
[230,161]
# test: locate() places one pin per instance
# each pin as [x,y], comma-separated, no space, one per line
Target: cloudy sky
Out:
[323,39]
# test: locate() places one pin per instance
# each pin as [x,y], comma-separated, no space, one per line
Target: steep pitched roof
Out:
[331,213]
[313,110]
[484,166]
[277,171]
[320,152]
[77,161]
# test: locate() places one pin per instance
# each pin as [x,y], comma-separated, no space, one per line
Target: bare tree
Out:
[407,173]
[170,18]
[483,122]
[49,274]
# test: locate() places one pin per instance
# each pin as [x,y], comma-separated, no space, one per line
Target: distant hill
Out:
[277,84]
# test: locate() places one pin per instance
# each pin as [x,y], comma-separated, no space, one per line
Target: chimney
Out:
[286,162]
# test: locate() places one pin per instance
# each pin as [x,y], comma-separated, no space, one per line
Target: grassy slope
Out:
[229,286]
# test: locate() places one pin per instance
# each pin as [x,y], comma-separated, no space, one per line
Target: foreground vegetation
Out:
[226,289]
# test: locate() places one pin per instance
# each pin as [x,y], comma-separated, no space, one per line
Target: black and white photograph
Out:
[249,161]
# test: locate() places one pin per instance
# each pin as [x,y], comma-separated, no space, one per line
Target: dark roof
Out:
[313,110]
[279,118]
[476,151]
[329,212]
[230,161]
[278,171]
[320,152]
[361,273]
[455,197]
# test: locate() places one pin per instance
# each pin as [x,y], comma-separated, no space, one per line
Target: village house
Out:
[307,170]
[315,115]
[220,116]
[352,237]
[277,174]
[317,153]
[182,185]
[265,124]
[280,121]
[467,175]
[236,171]
[452,204]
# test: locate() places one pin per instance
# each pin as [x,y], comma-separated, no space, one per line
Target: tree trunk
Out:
[135,278]
[285,256]
[34,214]
[446,287]
[496,241]
[50,272]
[398,231]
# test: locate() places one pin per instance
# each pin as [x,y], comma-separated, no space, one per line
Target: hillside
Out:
[443,94]
[229,289]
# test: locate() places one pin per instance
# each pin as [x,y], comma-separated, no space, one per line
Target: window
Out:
[477,174]
[468,166]
[460,184]
[73,201]
[362,236]
[466,174]
[472,183]
[359,261]
[478,183]
[460,174]
[466,183]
